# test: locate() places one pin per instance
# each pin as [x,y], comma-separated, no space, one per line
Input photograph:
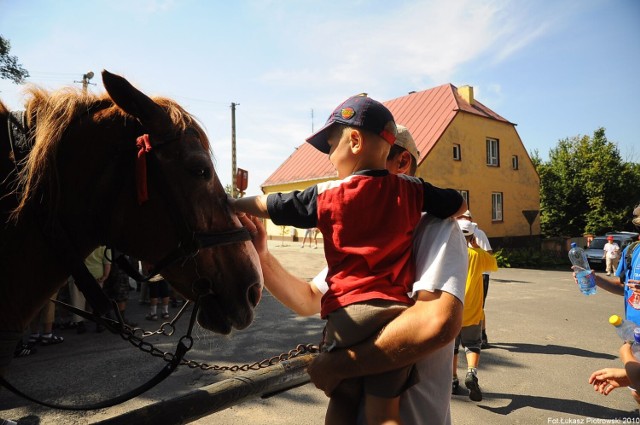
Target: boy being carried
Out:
[367,220]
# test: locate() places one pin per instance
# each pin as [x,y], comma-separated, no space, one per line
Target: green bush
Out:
[530,258]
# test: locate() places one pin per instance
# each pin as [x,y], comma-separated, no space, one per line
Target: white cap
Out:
[405,140]
[467,227]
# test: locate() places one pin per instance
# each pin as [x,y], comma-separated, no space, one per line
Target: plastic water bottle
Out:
[635,347]
[624,328]
[586,281]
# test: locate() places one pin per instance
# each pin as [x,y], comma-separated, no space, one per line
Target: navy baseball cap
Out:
[357,111]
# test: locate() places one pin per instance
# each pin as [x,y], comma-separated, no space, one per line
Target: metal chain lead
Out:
[168,328]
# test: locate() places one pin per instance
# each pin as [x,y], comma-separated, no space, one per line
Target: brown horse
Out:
[79,177]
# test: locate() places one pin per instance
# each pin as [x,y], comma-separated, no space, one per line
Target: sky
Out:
[555,68]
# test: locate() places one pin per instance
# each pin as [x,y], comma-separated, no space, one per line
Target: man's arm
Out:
[612,284]
[431,323]
[299,295]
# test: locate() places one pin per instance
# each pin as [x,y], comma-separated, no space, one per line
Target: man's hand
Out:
[323,372]
[258,232]
[634,285]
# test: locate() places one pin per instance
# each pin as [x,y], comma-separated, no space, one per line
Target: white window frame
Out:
[457,152]
[515,162]
[465,196]
[496,206]
[493,152]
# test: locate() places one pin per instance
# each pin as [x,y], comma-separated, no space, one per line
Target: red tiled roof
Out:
[305,164]
[427,114]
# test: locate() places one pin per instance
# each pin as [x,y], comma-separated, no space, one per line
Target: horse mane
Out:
[51,113]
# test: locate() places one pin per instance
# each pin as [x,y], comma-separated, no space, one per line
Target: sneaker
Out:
[455,384]
[152,317]
[51,340]
[23,350]
[471,382]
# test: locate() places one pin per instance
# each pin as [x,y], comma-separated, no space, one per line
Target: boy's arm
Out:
[254,205]
[442,203]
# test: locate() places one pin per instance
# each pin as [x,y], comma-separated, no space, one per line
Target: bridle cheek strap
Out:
[144,146]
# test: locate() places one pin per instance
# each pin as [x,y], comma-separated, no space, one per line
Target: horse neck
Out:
[30,274]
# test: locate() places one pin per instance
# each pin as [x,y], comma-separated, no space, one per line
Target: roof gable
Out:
[427,114]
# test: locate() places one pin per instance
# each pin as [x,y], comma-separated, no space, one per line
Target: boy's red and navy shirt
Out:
[367,222]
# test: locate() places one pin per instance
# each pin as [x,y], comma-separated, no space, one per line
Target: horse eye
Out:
[203,173]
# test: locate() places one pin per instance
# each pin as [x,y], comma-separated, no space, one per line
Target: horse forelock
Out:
[182,119]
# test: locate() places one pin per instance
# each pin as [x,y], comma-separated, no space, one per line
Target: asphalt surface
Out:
[546,340]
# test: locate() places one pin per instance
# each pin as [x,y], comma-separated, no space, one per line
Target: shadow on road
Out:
[521,347]
[562,406]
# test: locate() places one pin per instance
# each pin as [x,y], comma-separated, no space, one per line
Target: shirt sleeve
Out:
[297,208]
[439,202]
[441,257]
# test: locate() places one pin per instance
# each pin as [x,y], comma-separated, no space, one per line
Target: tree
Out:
[586,187]
[10,69]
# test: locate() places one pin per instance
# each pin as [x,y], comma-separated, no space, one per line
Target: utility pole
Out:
[234,168]
[85,81]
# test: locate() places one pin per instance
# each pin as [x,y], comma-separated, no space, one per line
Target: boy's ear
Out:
[356,140]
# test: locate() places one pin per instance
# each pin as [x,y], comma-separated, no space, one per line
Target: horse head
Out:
[186,210]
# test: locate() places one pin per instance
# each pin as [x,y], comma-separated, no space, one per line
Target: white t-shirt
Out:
[612,250]
[441,262]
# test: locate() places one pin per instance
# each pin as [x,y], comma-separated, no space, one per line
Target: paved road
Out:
[547,340]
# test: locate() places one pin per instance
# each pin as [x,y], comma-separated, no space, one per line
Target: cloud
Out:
[424,42]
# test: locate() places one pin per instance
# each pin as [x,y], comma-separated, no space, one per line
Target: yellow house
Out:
[463,145]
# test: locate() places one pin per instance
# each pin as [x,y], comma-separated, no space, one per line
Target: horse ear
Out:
[136,103]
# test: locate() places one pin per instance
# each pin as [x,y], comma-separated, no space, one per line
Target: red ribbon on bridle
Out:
[144,146]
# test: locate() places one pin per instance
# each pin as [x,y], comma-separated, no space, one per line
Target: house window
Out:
[457,153]
[514,162]
[496,206]
[465,196]
[493,153]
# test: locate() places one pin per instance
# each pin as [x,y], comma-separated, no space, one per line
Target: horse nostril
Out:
[254,293]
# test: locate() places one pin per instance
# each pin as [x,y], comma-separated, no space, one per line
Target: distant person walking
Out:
[310,234]
[481,240]
[611,254]
[471,333]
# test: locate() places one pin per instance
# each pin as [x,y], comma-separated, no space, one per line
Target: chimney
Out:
[466,92]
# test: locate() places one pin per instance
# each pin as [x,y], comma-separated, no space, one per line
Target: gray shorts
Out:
[470,337]
[357,322]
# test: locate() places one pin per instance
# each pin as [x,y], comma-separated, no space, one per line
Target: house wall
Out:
[520,188]
[288,232]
